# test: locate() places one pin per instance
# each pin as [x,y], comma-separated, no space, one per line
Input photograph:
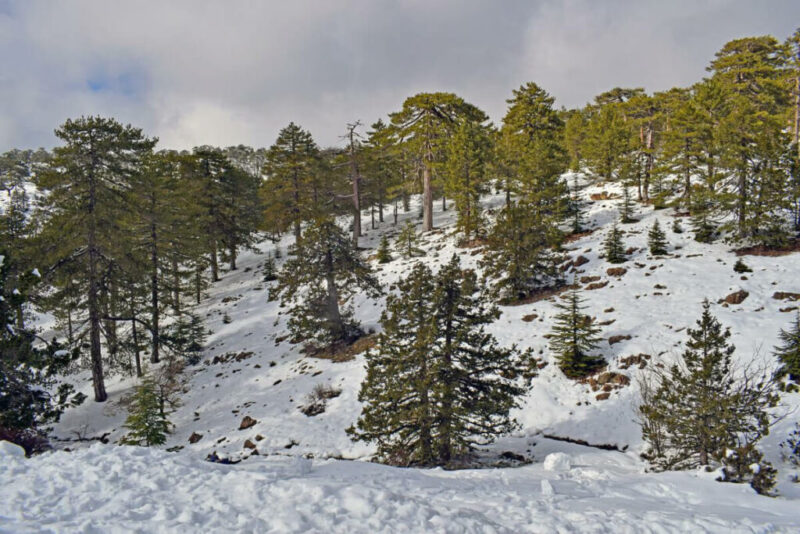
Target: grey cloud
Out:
[224,73]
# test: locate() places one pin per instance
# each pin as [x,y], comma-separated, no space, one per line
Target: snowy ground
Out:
[132,489]
[653,303]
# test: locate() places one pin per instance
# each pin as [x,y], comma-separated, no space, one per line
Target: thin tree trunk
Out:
[93,304]
[232,252]
[427,199]
[154,311]
[214,262]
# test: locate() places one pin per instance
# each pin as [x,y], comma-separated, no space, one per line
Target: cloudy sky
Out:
[228,72]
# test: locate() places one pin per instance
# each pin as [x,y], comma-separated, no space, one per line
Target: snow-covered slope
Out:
[267,379]
[133,489]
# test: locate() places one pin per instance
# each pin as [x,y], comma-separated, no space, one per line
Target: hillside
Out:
[250,370]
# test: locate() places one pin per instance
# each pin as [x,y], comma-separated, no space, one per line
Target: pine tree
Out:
[383,254]
[425,123]
[607,140]
[407,243]
[699,412]
[86,180]
[788,354]
[575,210]
[468,154]
[520,256]
[437,384]
[324,273]
[702,223]
[657,240]
[677,228]
[31,394]
[626,208]
[574,337]
[790,449]
[187,337]
[147,423]
[287,191]
[613,246]
[270,270]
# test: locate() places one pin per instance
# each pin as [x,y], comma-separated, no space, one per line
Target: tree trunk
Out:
[154,312]
[427,199]
[332,304]
[176,289]
[134,334]
[232,252]
[214,263]
[93,303]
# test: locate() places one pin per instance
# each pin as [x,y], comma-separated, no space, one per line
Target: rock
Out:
[249,445]
[737,297]
[616,339]
[557,461]
[616,271]
[787,309]
[589,279]
[580,260]
[259,437]
[608,310]
[603,396]
[530,317]
[596,285]
[639,359]
[785,295]
[613,378]
[247,422]
[195,437]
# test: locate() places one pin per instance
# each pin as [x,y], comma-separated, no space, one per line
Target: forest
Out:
[117,240]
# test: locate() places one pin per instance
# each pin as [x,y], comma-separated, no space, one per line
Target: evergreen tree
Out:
[437,384]
[626,208]
[187,338]
[270,270]
[324,273]
[607,140]
[31,396]
[384,255]
[575,209]
[702,222]
[147,423]
[788,353]
[88,176]
[574,337]
[677,228]
[699,413]
[613,246]
[657,240]
[425,123]
[468,154]
[382,170]
[407,243]
[288,189]
[520,256]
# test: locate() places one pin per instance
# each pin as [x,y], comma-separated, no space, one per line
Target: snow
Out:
[106,488]
[302,479]
[556,461]
[9,450]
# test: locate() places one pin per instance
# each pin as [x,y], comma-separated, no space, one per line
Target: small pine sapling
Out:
[147,423]
[677,228]
[613,246]
[383,254]
[407,243]
[790,449]
[626,209]
[574,337]
[657,240]
[270,270]
[741,267]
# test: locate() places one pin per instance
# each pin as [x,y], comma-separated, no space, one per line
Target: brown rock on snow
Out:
[737,297]
[195,437]
[249,445]
[617,339]
[785,295]
[596,285]
[616,271]
[603,396]
[580,260]
[247,422]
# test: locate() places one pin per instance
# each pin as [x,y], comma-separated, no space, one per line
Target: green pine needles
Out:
[437,383]
[657,240]
[575,337]
[702,412]
[383,255]
[147,422]
[613,246]
[788,353]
